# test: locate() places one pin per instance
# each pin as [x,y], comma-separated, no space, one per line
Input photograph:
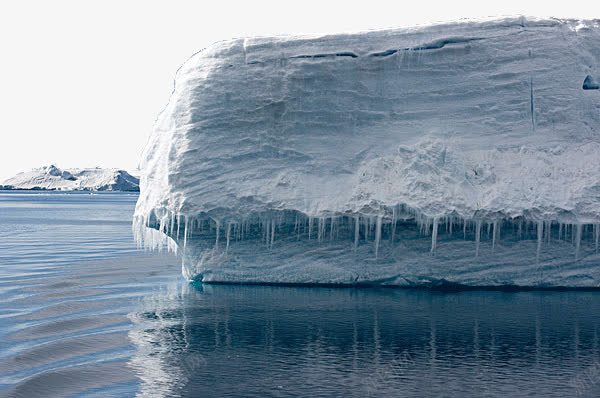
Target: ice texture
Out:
[463,153]
[90,179]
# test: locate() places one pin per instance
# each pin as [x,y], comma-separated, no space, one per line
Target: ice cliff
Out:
[455,153]
[54,178]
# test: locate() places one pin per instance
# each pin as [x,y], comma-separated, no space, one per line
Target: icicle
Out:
[269,224]
[434,234]
[185,234]
[331,228]
[356,230]
[228,236]
[272,234]
[161,224]
[320,229]
[578,240]
[218,226]
[464,229]
[394,221]
[366,225]
[494,235]
[477,237]
[548,230]
[540,232]
[597,235]
[377,235]
[560,230]
[310,223]
[498,235]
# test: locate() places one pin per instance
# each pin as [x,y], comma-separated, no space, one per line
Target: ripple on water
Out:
[65,326]
[84,319]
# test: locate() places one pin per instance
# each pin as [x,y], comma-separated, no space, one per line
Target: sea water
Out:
[83,312]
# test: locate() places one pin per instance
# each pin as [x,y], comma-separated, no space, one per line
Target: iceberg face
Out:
[461,153]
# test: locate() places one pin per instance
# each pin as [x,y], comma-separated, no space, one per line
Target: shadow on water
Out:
[231,340]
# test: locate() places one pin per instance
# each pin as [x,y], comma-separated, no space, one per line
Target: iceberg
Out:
[460,153]
[90,179]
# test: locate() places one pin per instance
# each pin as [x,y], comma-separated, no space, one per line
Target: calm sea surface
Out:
[85,313]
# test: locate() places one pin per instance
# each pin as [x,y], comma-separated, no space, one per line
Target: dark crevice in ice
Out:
[387,53]
[339,54]
[590,84]
[434,45]
[343,54]
[437,44]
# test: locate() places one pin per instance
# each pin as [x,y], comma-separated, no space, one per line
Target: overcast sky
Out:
[81,82]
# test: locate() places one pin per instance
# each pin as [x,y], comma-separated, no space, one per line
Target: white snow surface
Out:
[90,179]
[460,123]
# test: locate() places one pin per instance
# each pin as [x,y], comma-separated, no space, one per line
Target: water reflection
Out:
[274,341]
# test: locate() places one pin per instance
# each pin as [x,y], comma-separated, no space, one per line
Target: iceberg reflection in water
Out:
[228,340]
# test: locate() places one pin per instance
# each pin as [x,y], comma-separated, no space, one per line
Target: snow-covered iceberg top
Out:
[465,124]
[91,179]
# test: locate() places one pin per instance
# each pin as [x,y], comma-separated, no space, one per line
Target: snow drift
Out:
[457,153]
[53,178]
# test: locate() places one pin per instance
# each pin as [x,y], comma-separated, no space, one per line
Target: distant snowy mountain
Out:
[53,178]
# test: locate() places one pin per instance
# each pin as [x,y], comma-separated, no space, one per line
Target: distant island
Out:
[54,179]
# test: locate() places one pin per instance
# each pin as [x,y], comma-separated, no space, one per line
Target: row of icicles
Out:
[182,228]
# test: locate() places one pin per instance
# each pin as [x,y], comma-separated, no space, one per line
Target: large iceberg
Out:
[463,153]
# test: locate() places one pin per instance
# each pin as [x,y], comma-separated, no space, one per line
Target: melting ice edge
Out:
[398,247]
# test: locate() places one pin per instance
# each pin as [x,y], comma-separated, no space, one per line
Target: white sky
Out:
[81,82]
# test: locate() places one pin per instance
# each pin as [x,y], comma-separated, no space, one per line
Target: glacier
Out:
[459,153]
